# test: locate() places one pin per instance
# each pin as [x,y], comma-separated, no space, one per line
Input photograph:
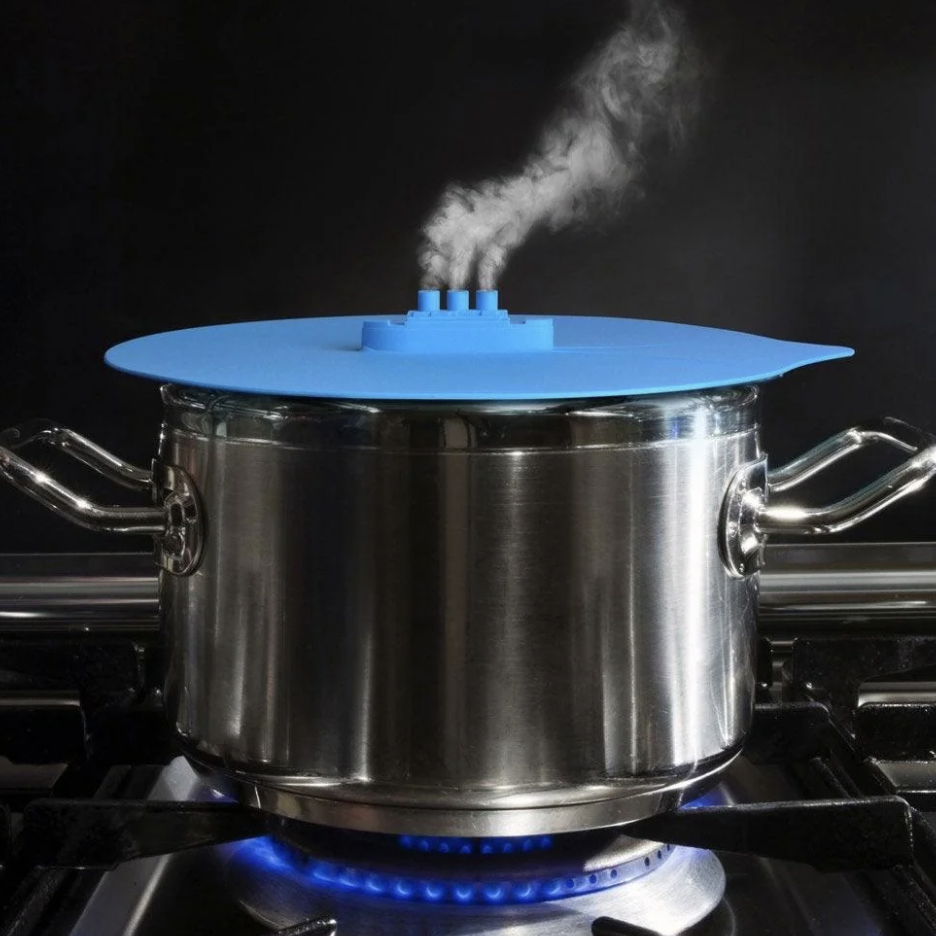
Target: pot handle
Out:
[175,520]
[749,516]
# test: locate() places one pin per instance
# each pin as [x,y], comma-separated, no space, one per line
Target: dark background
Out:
[167,164]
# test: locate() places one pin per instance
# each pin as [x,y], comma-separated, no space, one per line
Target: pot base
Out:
[573,810]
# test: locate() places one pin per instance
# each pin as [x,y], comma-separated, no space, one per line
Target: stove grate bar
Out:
[904,731]
[62,833]
[832,670]
[831,835]
[787,732]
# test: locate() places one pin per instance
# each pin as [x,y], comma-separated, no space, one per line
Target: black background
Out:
[167,164]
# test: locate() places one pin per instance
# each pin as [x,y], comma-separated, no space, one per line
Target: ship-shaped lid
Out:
[462,353]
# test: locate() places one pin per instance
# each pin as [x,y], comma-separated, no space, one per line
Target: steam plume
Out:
[640,84]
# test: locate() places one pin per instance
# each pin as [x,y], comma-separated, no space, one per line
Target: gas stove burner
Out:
[462,870]
[401,885]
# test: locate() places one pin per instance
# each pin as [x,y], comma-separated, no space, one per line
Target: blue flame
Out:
[281,859]
[714,797]
[468,846]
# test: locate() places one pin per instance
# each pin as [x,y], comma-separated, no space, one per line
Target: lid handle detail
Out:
[458,329]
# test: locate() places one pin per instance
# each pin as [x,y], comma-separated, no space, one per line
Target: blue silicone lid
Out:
[462,353]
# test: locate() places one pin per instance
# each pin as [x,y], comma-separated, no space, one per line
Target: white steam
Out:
[642,83]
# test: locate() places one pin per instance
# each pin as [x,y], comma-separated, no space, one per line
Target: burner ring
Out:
[683,889]
[460,871]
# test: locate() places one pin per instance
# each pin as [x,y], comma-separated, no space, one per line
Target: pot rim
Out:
[408,425]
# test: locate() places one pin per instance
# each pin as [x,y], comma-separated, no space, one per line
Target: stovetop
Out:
[190,893]
[852,788]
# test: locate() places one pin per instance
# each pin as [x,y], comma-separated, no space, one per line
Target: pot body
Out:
[460,619]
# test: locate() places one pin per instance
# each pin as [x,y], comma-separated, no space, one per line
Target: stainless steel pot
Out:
[463,619]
